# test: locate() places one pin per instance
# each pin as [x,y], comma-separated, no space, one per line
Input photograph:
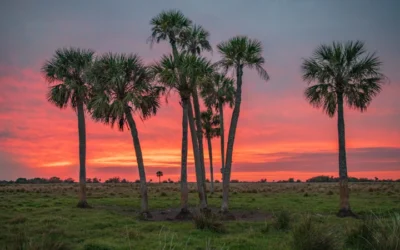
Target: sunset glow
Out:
[279,134]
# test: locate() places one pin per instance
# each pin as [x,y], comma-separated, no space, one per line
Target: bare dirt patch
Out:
[171,214]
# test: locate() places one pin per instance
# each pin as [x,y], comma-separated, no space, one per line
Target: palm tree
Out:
[65,74]
[210,123]
[194,40]
[123,86]
[159,175]
[217,92]
[177,75]
[342,73]
[237,53]
[169,25]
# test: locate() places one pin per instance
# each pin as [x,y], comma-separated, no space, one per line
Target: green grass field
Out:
[46,217]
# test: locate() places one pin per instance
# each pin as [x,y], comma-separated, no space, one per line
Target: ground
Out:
[45,216]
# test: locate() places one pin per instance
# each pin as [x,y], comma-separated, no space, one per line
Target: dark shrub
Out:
[282,220]
[309,236]
[208,222]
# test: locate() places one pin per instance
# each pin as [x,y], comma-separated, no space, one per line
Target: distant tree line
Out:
[55,179]
[325,178]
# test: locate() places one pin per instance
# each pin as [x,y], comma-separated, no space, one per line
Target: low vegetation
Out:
[44,216]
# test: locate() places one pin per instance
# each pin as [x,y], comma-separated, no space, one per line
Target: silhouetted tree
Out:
[65,71]
[159,175]
[342,73]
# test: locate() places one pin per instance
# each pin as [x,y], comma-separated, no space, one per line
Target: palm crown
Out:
[178,74]
[195,39]
[342,69]
[168,25]
[241,51]
[66,72]
[219,89]
[210,124]
[122,83]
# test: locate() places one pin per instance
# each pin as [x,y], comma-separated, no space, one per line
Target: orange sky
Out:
[294,140]
[279,134]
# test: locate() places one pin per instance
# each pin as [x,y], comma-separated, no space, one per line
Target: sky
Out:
[279,134]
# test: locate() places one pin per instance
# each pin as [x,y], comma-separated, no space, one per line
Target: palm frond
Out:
[242,51]
[195,39]
[65,73]
[125,85]
[168,25]
[346,69]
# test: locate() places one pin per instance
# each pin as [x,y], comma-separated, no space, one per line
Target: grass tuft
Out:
[208,221]
[309,236]
[282,220]
[377,233]
[19,219]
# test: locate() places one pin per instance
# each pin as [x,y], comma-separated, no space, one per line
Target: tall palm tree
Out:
[216,93]
[342,73]
[237,53]
[122,86]
[65,74]
[210,124]
[170,25]
[194,40]
[177,75]
[159,175]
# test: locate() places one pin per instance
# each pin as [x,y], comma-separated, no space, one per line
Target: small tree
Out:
[69,180]
[159,175]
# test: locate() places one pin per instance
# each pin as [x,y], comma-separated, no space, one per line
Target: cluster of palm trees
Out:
[113,88]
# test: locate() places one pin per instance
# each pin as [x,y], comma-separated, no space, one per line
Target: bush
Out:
[282,220]
[209,221]
[309,236]
[376,233]
[216,181]
[113,180]
[19,219]
[96,246]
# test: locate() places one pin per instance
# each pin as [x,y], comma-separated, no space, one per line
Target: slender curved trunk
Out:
[184,184]
[211,164]
[144,209]
[82,155]
[199,128]
[344,206]
[231,140]
[200,183]
[222,135]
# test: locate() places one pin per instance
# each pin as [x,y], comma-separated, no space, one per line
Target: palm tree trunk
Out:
[199,127]
[82,155]
[159,179]
[175,52]
[139,158]
[211,164]
[199,178]
[344,207]
[222,134]
[231,140]
[184,184]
